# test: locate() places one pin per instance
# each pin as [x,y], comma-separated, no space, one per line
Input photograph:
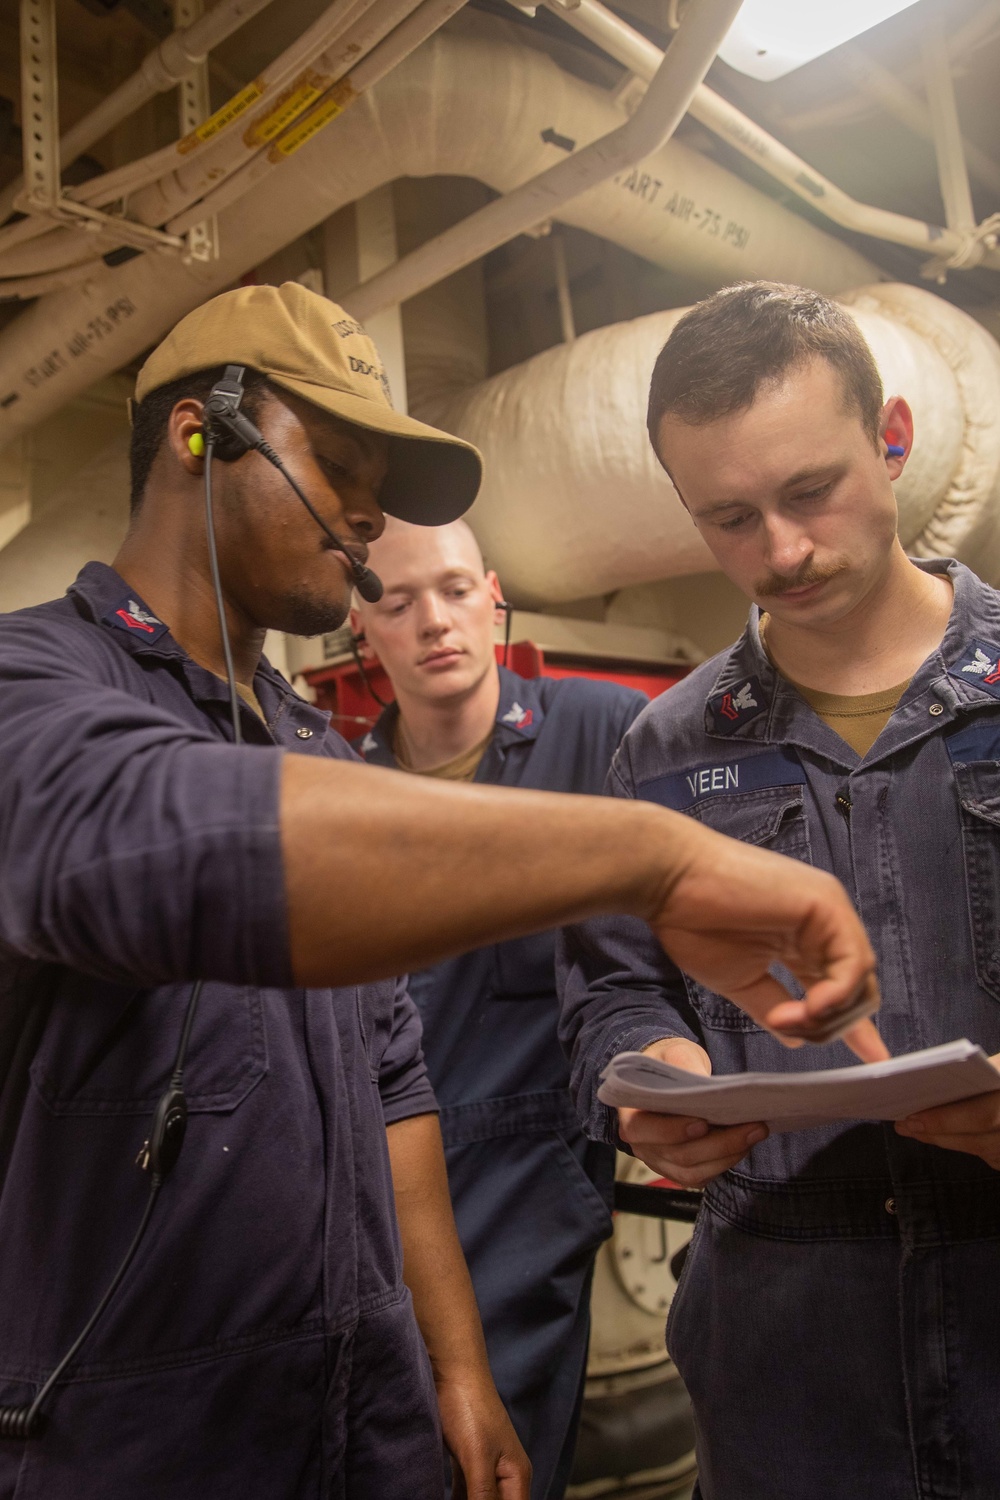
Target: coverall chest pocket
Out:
[526,969]
[376,1009]
[772,818]
[979,795]
[112,1052]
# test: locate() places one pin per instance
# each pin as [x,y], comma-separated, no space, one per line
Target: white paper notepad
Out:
[795,1101]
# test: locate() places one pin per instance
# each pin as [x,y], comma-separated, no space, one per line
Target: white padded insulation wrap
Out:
[575,504]
[473,101]
[964,520]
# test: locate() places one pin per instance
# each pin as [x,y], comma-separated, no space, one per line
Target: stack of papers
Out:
[796,1101]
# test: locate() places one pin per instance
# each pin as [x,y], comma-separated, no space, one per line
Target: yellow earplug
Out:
[196,443]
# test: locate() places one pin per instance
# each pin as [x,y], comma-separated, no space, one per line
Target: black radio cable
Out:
[360,664]
[166,1136]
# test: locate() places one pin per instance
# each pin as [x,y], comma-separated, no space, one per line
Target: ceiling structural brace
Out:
[679,72]
[42,195]
[168,65]
[956,194]
[967,38]
[950,248]
[344,52]
[194,105]
[891,93]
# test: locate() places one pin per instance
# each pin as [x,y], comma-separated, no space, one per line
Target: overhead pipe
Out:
[280,90]
[887,90]
[948,247]
[224,129]
[472,102]
[953,175]
[349,38]
[324,68]
[418,27]
[161,70]
[682,68]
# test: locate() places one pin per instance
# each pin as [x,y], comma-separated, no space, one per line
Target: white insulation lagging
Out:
[574,503]
[475,101]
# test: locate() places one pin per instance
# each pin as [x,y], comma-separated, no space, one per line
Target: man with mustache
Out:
[834,1320]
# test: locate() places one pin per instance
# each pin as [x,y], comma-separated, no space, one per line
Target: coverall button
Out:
[890,1205]
[304,733]
[936,708]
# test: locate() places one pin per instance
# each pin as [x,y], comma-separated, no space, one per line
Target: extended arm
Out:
[139,850]
[422,870]
[475,1425]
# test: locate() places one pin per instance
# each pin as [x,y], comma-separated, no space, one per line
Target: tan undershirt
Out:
[859,718]
[462,768]
[250,699]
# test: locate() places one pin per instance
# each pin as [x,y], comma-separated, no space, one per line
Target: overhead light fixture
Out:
[770,38]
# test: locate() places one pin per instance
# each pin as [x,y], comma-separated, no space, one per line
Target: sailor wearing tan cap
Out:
[204,903]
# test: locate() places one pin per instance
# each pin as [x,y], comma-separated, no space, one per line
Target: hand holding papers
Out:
[796,1101]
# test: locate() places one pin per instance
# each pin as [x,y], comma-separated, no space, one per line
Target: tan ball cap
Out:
[312,347]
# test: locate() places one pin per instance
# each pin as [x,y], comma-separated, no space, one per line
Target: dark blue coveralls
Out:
[530,1192]
[837,1321]
[263,1343]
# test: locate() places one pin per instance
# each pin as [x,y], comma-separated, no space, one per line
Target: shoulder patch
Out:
[738,706]
[979,664]
[132,616]
[749,773]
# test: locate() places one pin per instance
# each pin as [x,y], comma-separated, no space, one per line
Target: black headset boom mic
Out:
[234,434]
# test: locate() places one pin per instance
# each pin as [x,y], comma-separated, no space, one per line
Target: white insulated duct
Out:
[574,503]
[475,102]
[657,115]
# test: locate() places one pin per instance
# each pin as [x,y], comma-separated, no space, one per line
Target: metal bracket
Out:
[202,241]
[986,236]
[42,195]
[953,174]
[40,102]
[194,103]
[82,216]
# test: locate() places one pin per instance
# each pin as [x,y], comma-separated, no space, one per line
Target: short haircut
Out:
[746,336]
[151,416]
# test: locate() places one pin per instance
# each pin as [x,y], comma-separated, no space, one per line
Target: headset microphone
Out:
[233,434]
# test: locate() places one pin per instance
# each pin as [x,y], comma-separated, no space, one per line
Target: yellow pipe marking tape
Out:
[230,111]
[306,89]
[336,101]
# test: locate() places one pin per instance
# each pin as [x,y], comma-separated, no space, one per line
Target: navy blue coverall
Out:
[837,1322]
[530,1193]
[263,1343]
